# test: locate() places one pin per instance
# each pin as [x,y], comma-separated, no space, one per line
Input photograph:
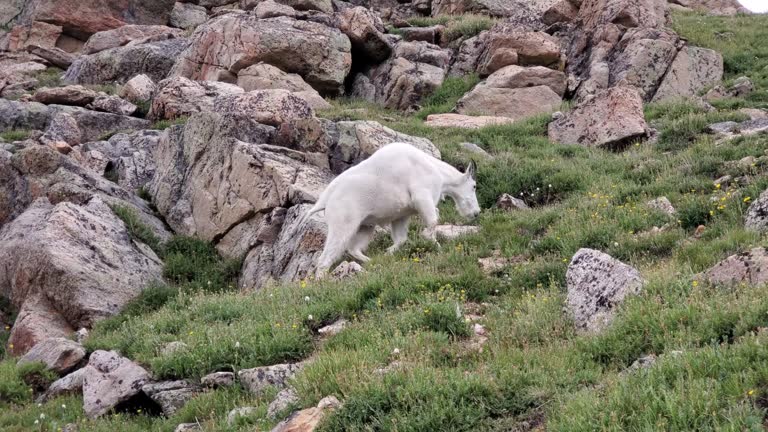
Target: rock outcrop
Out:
[227,44]
[109,380]
[749,268]
[154,59]
[612,119]
[75,262]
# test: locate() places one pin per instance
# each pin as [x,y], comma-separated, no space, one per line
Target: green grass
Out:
[412,308]
[457,27]
[136,228]
[165,124]
[15,135]
[741,41]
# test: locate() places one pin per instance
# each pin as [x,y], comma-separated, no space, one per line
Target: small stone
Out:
[188,427]
[347,269]
[509,203]
[239,412]
[61,147]
[496,262]
[138,89]
[172,347]
[171,395]
[110,379]
[474,148]
[741,87]
[333,329]
[451,232]
[643,362]
[256,380]
[218,379]
[59,355]
[70,384]
[722,128]
[662,204]
[114,105]
[81,335]
[284,399]
[389,368]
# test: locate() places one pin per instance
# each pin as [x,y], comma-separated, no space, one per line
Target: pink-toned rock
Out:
[519,77]
[263,76]
[515,103]
[138,89]
[309,419]
[76,95]
[749,267]
[178,96]
[365,31]
[693,70]
[465,121]
[36,321]
[36,34]
[123,35]
[531,48]
[86,17]
[227,44]
[611,119]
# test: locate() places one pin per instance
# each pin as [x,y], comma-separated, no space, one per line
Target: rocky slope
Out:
[130,128]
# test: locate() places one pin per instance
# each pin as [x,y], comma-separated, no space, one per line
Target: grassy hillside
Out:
[535,372]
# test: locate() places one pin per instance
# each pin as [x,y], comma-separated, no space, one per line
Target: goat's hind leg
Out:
[360,242]
[399,234]
[339,236]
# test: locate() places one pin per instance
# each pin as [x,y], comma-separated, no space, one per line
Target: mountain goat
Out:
[395,183]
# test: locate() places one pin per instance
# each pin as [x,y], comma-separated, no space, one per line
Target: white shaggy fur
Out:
[395,183]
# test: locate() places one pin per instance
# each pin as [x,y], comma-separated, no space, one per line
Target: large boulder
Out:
[424,52]
[612,119]
[399,83]
[58,354]
[85,17]
[128,35]
[263,76]
[518,47]
[178,96]
[79,259]
[76,95]
[694,70]
[154,59]
[188,15]
[127,156]
[357,140]
[520,77]
[188,187]
[365,31]
[642,58]
[225,45]
[515,103]
[37,33]
[597,284]
[138,89]
[749,267]
[109,380]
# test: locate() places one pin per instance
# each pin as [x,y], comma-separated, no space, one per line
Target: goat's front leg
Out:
[429,214]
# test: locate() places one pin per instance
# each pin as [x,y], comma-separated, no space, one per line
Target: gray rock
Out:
[70,384]
[360,139]
[757,214]
[55,56]
[188,15]
[365,31]
[693,70]
[272,9]
[508,203]
[171,395]
[722,128]
[172,348]
[114,105]
[333,329]
[79,258]
[138,89]
[188,427]
[130,156]
[423,52]
[515,103]
[284,400]
[346,269]
[401,84]
[662,204]
[218,379]
[749,267]
[110,379]
[63,127]
[236,413]
[452,232]
[258,379]
[76,95]
[154,59]
[58,354]
[597,284]
[474,148]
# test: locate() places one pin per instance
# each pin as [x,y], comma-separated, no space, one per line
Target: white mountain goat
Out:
[395,183]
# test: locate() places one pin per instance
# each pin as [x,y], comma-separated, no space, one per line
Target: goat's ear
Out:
[472,169]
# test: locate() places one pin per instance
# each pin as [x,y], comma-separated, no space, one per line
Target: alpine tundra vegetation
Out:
[160,160]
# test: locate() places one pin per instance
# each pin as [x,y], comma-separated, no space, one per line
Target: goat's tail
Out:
[318,207]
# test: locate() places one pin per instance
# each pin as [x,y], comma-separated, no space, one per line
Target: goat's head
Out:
[464,194]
